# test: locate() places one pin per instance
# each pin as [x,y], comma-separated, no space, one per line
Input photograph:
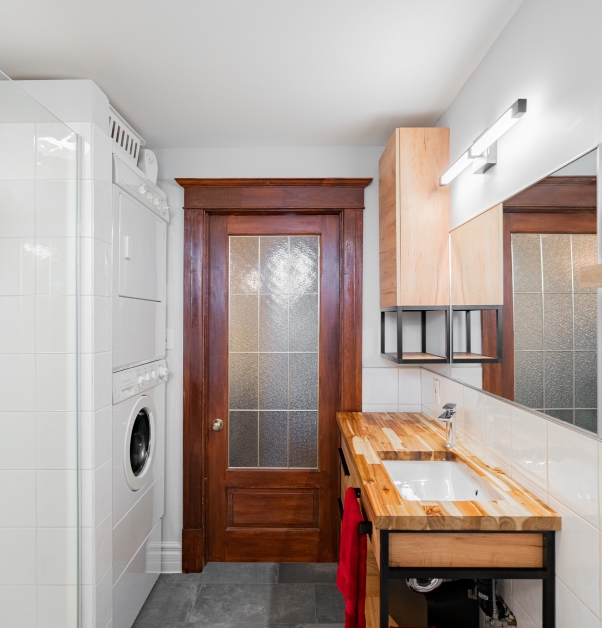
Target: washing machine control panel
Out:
[133,381]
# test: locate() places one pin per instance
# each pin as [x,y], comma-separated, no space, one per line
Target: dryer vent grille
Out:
[125,139]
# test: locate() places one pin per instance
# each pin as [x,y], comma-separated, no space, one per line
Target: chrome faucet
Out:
[448,418]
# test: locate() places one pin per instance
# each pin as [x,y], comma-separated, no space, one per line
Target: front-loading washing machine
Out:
[138,485]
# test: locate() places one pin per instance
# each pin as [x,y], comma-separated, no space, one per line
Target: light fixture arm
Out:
[484,148]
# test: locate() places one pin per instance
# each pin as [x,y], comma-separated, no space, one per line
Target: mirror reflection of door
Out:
[550,320]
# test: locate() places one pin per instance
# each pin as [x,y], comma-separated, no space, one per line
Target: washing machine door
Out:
[140,439]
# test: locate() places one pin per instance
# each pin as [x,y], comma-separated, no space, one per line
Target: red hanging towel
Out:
[351,574]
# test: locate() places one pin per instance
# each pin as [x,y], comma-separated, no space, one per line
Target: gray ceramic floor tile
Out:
[238,573]
[330,604]
[307,572]
[168,602]
[254,603]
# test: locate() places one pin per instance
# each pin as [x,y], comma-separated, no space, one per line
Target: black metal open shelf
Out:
[413,357]
[468,356]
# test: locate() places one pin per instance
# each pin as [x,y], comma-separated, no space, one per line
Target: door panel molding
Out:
[202,198]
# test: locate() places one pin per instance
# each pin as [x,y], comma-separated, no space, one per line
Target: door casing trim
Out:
[203,197]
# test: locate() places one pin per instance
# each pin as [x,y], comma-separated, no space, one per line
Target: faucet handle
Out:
[449,406]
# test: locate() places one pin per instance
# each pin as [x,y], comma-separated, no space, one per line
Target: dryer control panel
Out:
[143,190]
[136,380]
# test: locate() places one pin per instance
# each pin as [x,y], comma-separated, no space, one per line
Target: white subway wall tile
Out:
[96,214]
[426,386]
[103,434]
[56,556]
[95,437]
[56,264]
[56,151]
[17,433]
[474,414]
[56,324]
[498,428]
[18,604]
[96,324]
[86,478]
[409,408]
[380,386]
[529,446]
[528,594]
[17,150]
[17,499]
[84,130]
[56,382]
[17,378]
[17,209]
[88,556]
[455,394]
[18,551]
[102,153]
[56,209]
[18,324]
[57,499]
[534,489]
[571,612]
[103,491]
[57,607]
[523,620]
[103,593]
[103,546]
[486,455]
[18,261]
[410,386]
[578,556]
[573,471]
[380,407]
[96,267]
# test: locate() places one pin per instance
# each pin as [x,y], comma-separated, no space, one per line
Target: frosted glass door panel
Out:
[555,326]
[274,307]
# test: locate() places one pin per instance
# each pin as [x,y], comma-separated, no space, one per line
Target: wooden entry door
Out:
[301,202]
[273,381]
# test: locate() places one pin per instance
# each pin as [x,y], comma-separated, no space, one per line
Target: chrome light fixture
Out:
[483,151]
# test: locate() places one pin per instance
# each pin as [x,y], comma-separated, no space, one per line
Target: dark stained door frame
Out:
[203,197]
[553,205]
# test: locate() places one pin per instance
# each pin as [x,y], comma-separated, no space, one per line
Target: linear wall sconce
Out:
[483,151]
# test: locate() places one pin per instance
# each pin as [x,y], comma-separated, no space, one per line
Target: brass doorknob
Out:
[217,425]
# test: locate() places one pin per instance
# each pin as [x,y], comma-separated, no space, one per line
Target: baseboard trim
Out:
[171,557]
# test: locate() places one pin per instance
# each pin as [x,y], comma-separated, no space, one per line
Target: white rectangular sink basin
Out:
[439,480]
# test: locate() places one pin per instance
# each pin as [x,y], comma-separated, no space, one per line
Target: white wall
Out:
[550,54]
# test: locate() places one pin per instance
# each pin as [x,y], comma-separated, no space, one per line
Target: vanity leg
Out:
[549,584]
[384,579]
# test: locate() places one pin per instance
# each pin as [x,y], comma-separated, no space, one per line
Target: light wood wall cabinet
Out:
[477,257]
[414,219]
[477,260]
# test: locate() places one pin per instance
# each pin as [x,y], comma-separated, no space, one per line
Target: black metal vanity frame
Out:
[546,574]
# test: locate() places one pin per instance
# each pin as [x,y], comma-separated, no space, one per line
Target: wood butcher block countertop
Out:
[370,438]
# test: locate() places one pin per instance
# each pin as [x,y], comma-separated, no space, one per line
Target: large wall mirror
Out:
[523,326]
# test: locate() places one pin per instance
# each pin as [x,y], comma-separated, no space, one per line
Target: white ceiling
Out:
[258,72]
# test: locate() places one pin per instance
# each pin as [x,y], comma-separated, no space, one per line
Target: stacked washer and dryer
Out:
[140,217]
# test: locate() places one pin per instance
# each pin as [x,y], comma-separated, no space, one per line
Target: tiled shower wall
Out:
[96,263]
[38,378]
